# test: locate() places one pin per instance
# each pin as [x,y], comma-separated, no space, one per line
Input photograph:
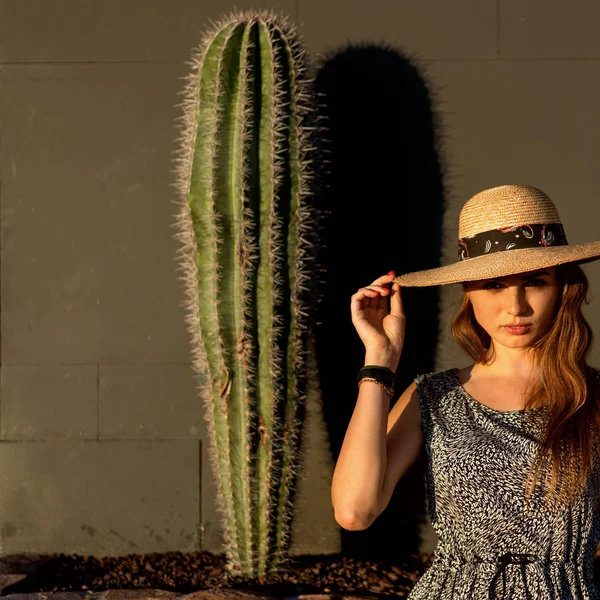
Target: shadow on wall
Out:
[384,195]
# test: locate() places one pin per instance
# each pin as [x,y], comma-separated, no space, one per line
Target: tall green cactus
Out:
[244,176]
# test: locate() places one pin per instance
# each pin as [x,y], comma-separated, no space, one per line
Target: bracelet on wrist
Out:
[380,375]
[389,391]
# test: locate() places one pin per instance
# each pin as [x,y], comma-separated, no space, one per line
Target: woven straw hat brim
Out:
[501,264]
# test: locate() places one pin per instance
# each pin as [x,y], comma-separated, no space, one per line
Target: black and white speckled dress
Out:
[490,545]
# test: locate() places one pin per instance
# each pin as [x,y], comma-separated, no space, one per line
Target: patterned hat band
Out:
[511,238]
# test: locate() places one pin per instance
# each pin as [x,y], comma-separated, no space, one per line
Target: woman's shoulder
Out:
[441,380]
[441,374]
[438,393]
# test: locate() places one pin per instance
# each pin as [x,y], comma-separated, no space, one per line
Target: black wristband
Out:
[382,374]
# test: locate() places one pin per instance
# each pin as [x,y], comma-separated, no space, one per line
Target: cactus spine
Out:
[244,172]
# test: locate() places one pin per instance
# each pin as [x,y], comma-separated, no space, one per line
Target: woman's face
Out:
[525,298]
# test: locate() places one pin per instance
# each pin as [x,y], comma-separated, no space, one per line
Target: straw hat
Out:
[502,231]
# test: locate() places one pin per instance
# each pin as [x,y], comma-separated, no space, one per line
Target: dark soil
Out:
[185,573]
[189,572]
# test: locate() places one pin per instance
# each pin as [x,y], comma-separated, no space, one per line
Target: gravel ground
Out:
[186,573]
[189,572]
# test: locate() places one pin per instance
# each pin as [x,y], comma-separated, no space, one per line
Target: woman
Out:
[512,440]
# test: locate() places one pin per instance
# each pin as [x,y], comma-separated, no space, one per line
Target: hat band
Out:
[511,238]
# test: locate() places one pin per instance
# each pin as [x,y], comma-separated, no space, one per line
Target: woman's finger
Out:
[396,304]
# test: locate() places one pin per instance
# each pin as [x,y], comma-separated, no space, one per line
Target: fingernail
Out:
[391,273]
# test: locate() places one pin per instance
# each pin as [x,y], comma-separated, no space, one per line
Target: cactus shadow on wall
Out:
[381,183]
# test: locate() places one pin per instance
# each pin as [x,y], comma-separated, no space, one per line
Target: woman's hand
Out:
[382,332]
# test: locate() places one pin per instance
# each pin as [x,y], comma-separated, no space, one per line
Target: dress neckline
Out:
[489,408]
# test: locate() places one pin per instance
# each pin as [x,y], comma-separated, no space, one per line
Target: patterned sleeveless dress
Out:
[491,545]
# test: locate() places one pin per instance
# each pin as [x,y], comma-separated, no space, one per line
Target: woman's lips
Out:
[517,330]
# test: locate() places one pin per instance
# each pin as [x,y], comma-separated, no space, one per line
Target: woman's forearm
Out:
[360,469]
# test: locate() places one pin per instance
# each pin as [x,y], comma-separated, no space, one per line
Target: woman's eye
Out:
[492,285]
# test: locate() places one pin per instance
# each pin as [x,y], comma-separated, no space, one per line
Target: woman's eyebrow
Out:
[526,276]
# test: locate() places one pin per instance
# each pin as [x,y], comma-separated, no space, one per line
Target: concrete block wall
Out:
[101,432]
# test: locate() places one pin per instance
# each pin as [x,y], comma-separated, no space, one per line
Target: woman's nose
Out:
[517,300]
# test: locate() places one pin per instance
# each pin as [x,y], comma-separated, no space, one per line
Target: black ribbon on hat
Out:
[536,235]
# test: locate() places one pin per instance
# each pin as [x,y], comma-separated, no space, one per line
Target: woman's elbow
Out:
[353,522]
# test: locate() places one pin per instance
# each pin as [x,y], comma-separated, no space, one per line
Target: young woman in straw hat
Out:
[512,440]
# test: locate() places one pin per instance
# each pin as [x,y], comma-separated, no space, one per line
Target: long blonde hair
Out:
[568,386]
